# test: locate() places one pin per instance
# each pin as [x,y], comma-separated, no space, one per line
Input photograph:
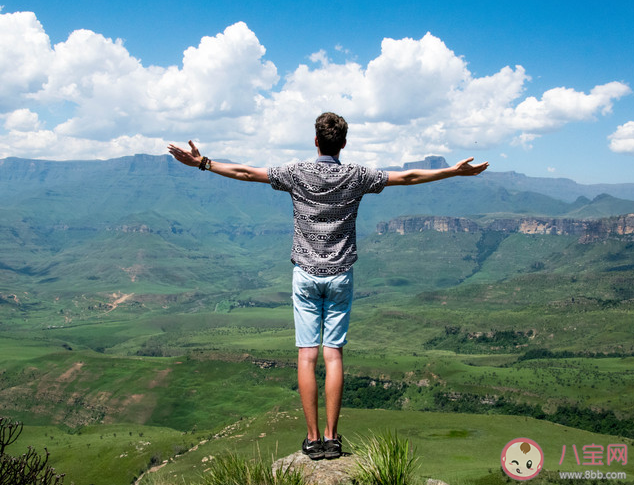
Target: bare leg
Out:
[333,357]
[306,363]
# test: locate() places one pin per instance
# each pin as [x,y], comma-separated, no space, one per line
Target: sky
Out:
[543,88]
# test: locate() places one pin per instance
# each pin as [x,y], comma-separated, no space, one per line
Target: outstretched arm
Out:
[193,158]
[420,176]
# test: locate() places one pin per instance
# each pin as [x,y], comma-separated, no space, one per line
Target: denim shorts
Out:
[321,306]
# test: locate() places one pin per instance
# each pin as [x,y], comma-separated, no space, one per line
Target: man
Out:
[326,196]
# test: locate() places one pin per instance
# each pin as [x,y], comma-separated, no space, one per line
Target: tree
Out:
[29,468]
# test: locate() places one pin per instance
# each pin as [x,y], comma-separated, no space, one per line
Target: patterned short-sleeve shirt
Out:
[326,196]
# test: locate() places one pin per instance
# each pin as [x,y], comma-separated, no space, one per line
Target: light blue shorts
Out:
[321,306]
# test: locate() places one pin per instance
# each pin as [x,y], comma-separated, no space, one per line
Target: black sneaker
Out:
[332,448]
[314,449]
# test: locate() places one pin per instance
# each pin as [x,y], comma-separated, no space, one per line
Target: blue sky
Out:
[542,88]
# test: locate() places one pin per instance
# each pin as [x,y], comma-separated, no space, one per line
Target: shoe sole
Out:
[315,456]
[332,453]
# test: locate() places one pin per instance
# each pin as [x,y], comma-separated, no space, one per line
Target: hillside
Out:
[145,309]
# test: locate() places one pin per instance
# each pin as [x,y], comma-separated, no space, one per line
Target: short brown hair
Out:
[331,131]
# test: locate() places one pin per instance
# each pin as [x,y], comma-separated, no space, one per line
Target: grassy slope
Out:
[457,448]
[416,320]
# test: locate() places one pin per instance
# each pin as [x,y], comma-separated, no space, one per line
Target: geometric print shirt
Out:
[326,196]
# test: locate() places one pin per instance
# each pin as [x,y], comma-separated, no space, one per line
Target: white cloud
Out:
[319,57]
[116,95]
[342,49]
[559,106]
[622,140]
[22,120]
[416,97]
[48,144]
[25,57]
[411,79]
[524,140]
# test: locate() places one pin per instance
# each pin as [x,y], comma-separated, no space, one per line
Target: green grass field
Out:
[457,448]
[166,344]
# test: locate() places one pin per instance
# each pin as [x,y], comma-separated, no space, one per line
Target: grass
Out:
[460,449]
[233,469]
[84,388]
[105,454]
[176,360]
[385,459]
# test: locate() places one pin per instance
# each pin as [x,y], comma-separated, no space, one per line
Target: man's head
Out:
[330,133]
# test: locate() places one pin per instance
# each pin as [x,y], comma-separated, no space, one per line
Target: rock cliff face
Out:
[586,230]
[405,225]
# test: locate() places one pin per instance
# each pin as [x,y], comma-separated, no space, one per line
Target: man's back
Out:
[326,196]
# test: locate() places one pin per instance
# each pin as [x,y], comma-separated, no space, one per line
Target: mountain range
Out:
[100,194]
[96,225]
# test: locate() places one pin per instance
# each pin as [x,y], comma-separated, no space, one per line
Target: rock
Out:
[327,472]
[431,481]
[320,472]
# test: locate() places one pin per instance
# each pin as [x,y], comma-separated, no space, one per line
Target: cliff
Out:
[586,230]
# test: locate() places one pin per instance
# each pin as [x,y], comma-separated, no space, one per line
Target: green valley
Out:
[145,321]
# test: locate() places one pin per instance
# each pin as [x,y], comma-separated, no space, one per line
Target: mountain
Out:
[100,194]
[558,188]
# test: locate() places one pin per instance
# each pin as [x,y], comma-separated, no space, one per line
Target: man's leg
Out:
[307,383]
[333,357]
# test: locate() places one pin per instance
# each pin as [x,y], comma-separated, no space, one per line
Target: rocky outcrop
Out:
[405,225]
[326,472]
[430,162]
[319,472]
[586,230]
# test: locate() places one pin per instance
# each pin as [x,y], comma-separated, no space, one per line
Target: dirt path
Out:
[119,301]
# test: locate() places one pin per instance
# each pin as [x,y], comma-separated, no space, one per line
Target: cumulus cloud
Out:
[46,144]
[21,120]
[559,106]
[116,95]
[622,140]
[416,97]
[25,57]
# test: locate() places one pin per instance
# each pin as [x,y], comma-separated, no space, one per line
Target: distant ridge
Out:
[586,230]
[165,195]
[559,188]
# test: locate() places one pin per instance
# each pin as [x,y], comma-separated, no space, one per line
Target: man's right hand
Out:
[190,158]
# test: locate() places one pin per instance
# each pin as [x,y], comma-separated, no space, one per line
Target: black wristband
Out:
[205,164]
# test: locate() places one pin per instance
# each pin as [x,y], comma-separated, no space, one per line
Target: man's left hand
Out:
[463,167]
